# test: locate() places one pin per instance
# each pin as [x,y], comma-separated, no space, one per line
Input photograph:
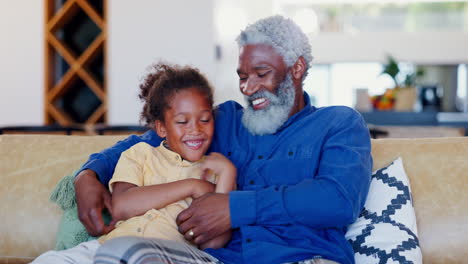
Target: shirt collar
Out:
[175,157]
[308,108]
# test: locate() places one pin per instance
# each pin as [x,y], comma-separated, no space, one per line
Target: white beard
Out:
[269,119]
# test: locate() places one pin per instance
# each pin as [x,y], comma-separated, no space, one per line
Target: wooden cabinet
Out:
[75,62]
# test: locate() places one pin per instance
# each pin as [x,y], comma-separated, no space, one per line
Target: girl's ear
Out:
[160,128]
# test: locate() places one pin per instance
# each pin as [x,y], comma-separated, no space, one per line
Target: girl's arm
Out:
[129,200]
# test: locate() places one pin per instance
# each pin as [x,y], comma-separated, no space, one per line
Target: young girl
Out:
[152,185]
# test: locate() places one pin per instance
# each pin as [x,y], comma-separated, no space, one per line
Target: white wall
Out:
[419,47]
[141,32]
[21,62]
[230,18]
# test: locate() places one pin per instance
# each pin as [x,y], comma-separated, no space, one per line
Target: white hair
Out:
[281,33]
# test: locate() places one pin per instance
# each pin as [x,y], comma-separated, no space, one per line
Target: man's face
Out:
[268,88]
[261,68]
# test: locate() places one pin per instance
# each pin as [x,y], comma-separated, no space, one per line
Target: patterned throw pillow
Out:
[386,231]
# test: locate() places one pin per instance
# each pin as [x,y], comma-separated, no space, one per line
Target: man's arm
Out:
[92,195]
[103,163]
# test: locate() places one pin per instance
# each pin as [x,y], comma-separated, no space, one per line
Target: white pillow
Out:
[386,231]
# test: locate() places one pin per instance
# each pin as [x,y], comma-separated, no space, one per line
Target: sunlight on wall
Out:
[335,84]
[462,89]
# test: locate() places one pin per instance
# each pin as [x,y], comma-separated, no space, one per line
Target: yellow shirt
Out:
[144,165]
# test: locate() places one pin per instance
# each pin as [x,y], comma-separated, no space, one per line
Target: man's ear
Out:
[160,128]
[298,69]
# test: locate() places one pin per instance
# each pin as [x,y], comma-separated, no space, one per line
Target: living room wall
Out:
[144,31]
[139,33]
[21,62]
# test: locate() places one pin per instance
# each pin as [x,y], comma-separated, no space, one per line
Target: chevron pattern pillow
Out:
[386,230]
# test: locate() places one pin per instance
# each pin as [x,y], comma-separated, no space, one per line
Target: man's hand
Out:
[92,197]
[207,217]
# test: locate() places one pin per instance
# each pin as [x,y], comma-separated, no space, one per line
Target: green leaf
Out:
[391,68]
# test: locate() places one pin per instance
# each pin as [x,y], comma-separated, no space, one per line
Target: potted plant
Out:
[405,93]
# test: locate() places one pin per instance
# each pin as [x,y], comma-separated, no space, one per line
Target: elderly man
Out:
[303,172]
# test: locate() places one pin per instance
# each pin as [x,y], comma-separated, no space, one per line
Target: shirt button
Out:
[248,240]
[229,153]
[251,182]
[290,153]
[139,230]
[260,157]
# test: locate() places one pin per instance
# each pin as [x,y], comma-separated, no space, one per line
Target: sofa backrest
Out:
[31,165]
[438,172]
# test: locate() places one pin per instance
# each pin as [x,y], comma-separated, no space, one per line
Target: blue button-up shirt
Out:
[298,189]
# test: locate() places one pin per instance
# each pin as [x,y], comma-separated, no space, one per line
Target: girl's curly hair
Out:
[162,83]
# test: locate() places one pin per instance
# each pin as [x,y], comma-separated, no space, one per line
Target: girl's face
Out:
[188,124]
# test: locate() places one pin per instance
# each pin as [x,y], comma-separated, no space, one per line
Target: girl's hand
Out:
[200,187]
[223,168]
[218,164]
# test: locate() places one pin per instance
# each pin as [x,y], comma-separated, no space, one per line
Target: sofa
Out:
[31,166]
